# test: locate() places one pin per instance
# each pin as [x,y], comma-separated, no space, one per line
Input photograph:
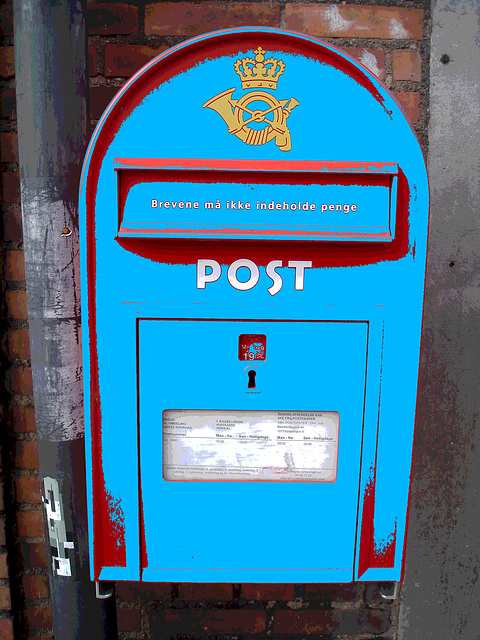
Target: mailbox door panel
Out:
[198,367]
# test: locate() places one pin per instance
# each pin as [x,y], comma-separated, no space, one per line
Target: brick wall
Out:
[254,611]
[391,38]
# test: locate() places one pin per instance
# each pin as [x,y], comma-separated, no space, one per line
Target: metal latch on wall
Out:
[53,503]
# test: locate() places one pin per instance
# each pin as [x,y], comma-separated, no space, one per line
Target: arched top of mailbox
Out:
[214,71]
[246,111]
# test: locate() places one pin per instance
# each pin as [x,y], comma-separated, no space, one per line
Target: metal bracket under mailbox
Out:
[104,590]
[389,590]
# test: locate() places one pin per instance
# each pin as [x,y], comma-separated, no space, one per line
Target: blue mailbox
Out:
[254,232]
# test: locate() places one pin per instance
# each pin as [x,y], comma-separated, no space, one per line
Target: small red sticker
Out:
[252,346]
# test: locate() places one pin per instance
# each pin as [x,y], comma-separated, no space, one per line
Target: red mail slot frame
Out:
[141,214]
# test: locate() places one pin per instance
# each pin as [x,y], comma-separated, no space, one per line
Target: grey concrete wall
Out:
[441,593]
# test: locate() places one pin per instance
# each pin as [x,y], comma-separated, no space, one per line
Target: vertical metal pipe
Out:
[51,77]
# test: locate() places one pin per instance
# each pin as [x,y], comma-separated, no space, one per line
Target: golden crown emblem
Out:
[259,72]
[257,117]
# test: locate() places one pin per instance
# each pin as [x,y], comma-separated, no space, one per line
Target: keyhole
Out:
[251,378]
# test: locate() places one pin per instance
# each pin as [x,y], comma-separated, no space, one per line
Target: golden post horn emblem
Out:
[240,114]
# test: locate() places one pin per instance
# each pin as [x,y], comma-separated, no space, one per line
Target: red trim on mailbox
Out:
[277,166]
[374,554]
[108,522]
[366,535]
[134,171]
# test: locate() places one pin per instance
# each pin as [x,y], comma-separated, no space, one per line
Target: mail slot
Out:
[315,199]
[254,209]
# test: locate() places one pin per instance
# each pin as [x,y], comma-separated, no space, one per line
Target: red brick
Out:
[99,100]
[7,104]
[20,379]
[10,187]
[373,59]
[38,618]
[195,591]
[13,226]
[307,622]
[23,419]
[35,587]
[327,592]
[128,619]
[92,61]
[9,146]
[6,629]
[407,65]
[14,266]
[33,554]
[28,489]
[125,59]
[338,621]
[5,599]
[268,591]
[16,304]
[19,343]
[190,19]
[3,539]
[6,19]
[7,62]
[411,105]
[131,591]
[350,21]
[353,622]
[26,454]
[3,566]
[30,524]
[112,19]
[212,621]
